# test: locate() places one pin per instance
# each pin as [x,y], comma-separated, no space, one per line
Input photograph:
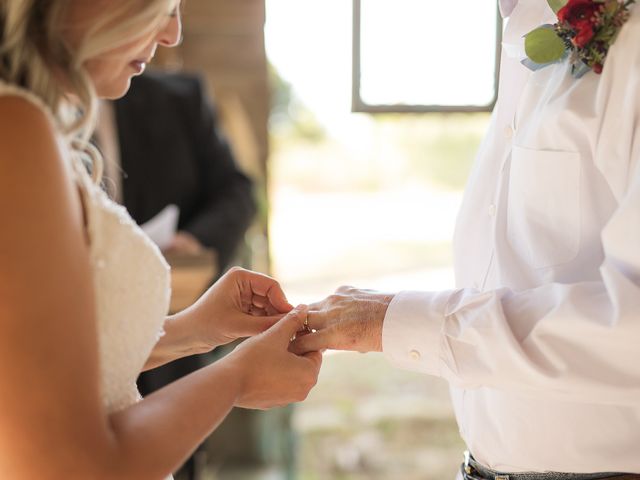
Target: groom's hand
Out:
[350,319]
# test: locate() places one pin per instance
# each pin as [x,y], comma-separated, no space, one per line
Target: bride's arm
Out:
[54,424]
[240,304]
[259,374]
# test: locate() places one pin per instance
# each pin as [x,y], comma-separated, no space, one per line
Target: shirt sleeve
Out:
[579,342]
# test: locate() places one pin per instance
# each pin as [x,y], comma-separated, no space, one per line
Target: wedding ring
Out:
[307,328]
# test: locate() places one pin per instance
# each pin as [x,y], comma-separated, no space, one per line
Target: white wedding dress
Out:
[132,285]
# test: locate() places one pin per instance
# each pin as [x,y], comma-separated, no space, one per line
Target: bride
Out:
[84,294]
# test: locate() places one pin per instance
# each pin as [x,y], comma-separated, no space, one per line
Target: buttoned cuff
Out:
[412,330]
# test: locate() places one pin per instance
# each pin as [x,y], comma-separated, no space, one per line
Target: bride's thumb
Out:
[290,324]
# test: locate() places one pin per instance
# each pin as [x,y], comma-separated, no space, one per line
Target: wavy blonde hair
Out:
[35,55]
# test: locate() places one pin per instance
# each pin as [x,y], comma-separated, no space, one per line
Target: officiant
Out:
[164,146]
[539,340]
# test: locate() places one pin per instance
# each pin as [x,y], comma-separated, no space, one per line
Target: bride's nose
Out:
[171,34]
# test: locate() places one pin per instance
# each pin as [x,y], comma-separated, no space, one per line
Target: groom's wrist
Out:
[381,304]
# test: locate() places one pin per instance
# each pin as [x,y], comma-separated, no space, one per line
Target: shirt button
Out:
[415,355]
[508,132]
[492,210]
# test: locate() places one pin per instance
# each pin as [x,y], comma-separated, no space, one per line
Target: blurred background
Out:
[358,123]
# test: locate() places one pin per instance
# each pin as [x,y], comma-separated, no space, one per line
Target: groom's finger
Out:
[316,320]
[345,289]
[314,342]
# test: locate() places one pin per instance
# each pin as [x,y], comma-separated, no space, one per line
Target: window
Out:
[425,55]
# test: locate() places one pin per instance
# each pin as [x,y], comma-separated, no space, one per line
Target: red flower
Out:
[580,15]
[584,33]
[578,11]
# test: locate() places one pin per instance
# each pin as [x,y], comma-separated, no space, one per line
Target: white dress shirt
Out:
[541,339]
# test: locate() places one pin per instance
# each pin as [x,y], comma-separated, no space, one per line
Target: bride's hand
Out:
[269,375]
[240,304]
[350,319]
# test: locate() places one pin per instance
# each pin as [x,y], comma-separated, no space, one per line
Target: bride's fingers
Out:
[258,325]
[257,311]
[259,301]
[266,305]
[261,305]
[276,297]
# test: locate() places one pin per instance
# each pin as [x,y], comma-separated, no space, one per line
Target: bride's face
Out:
[111,71]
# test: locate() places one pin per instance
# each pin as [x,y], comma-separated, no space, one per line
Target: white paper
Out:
[163,227]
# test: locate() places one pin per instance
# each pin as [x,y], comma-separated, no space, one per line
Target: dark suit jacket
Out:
[172,152]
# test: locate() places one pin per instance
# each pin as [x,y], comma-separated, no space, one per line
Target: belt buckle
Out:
[468,469]
[467,466]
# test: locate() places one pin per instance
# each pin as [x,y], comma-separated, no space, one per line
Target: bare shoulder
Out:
[36,189]
[17,107]
[32,157]
[26,131]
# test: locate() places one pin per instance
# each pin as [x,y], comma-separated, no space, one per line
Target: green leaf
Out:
[557,4]
[543,45]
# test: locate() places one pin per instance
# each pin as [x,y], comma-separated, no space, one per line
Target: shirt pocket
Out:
[543,214]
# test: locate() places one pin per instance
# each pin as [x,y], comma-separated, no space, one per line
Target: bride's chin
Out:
[114,90]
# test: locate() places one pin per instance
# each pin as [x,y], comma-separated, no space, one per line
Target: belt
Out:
[472,470]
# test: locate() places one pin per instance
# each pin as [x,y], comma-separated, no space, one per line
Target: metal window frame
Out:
[358,105]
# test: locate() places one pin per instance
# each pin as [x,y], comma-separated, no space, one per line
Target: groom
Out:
[540,340]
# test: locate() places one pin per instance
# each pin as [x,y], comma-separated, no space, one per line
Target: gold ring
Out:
[306,323]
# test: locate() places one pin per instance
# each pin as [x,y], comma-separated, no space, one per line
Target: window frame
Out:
[358,105]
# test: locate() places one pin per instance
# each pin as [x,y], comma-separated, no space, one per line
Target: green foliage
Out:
[543,45]
[288,113]
[440,148]
[557,4]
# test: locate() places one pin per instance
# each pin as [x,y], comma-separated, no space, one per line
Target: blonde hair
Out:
[35,55]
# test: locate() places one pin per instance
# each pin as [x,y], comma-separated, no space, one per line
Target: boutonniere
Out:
[585,31]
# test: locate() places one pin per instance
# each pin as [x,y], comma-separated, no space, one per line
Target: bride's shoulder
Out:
[18,106]
[26,127]
[33,163]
